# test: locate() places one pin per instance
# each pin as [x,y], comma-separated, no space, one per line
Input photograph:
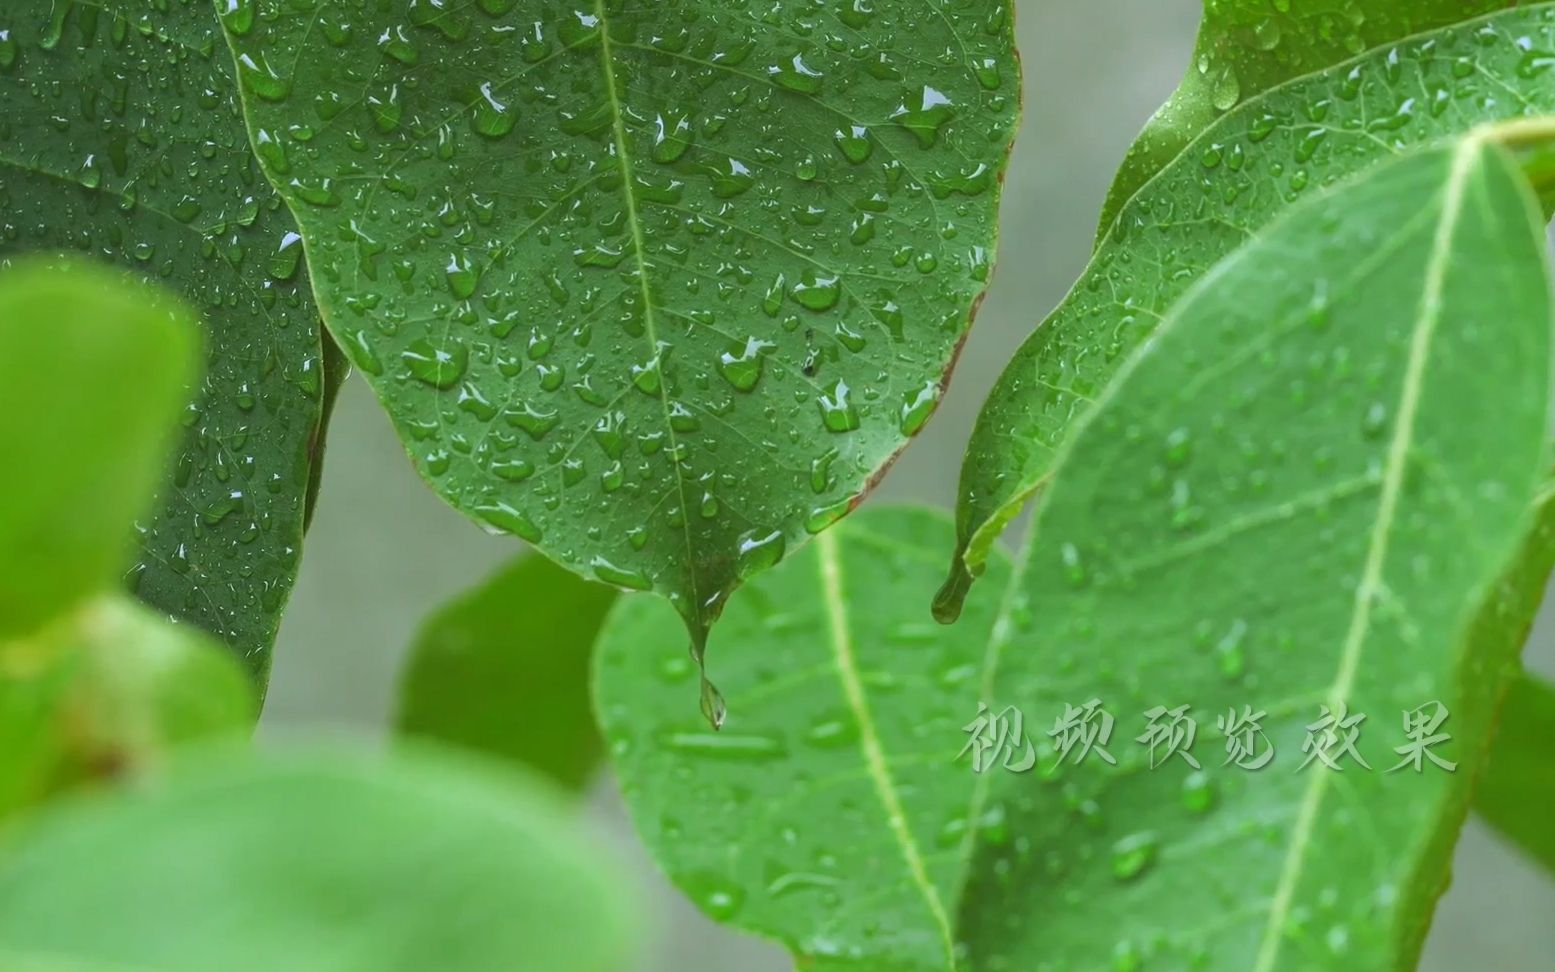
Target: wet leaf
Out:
[122,139]
[1229,183]
[503,670]
[1518,787]
[106,693]
[660,288]
[317,863]
[1299,497]
[1337,551]
[829,813]
[1246,47]
[94,370]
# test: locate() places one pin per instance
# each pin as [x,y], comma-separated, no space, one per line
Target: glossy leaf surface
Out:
[504,670]
[81,465]
[1300,432]
[1518,788]
[1298,498]
[658,287]
[1232,181]
[1246,47]
[106,693]
[828,813]
[317,863]
[120,136]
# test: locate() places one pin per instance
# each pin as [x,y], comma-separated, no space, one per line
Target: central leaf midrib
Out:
[1429,316]
[640,256]
[869,737]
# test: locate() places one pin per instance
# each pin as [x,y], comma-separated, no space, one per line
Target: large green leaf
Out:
[1518,788]
[1299,497]
[120,136]
[659,287]
[1349,475]
[317,863]
[1246,47]
[1228,184]
[93,372]
[106,693]
[504,670]
[827,814]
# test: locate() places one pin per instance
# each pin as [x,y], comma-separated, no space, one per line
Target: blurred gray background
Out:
[385,551]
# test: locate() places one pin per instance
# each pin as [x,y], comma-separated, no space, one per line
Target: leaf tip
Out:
[952,594]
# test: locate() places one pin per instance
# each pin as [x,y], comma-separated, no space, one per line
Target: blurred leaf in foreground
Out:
[106,692]
[94,369]
[319,862]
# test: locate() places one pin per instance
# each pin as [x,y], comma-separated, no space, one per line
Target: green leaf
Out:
[107,693]
[317,863]
[1518,787]
[121,137]
[1339,433]
[1246,47]
[1333,543]
[827,814]
[504,670]
[661,288]
[16,962]
[1228,184]
[93,372]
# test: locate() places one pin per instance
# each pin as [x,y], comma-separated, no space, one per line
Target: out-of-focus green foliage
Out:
[321,862]
[121,137]
[93,373]
[94,368]
[107,691]
[503,670]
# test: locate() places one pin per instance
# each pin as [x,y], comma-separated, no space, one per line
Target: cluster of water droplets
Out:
[658,289]
[1230,182]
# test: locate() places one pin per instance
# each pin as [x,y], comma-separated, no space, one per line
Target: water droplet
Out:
[855,143]
[925,121]
[757,551]
[919,406]
[837,410]
[796,75]
[609,573]
[671,137]
[817,292]
[462,276]
[1227,90]
[1133,855]
[260,78]
[440,367]
[741,365]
